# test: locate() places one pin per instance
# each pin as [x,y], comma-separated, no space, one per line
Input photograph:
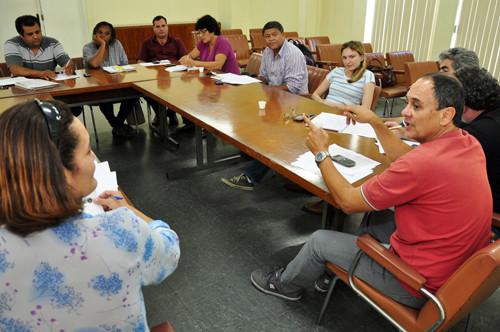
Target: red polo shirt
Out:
[152,50]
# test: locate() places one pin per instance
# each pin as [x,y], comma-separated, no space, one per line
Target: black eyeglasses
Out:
[53,118]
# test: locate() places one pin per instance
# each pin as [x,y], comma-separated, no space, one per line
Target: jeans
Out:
[340,249]
[256,171]
[126,107]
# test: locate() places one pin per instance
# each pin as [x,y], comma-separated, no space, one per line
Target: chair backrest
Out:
[370,56]
[415,70]
[231,32]
[471,284]
[330,52]
[368,47]
[240,46]
[258,30]
[258,42]
[397,60]
[290,34]
[313,41]
[315,76]
[196,37]
[4,70]
[78,62]
[376,95]
[254,62]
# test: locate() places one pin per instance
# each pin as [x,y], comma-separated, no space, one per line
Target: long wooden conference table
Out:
[229,112]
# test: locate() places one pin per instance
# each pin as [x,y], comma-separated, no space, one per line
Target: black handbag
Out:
[384,75]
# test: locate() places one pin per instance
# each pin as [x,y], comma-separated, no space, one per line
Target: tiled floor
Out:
[225,234]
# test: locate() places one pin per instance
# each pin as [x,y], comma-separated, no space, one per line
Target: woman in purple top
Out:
[214,51]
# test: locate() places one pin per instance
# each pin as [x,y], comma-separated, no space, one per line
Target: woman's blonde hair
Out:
[357,47]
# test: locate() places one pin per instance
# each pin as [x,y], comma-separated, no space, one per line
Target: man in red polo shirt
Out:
[161,47]
[442,214]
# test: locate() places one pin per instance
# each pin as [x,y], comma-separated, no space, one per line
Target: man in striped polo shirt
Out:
[32,55]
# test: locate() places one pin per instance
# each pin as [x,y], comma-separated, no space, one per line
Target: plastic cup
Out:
[201,69]
[262,105]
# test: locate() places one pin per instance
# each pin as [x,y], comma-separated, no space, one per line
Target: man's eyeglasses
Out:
[202,32]
[53,118]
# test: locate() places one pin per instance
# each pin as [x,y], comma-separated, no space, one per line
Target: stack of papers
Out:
[180,68]
[106,180]
[35,84]
[12,80]
[231,78]
[156,63]
[337,122]
[118,69]
[62,77]
[364,166]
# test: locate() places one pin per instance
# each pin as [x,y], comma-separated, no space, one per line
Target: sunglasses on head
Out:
[53,118]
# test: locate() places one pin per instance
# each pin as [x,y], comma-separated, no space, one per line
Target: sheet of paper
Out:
[106,180]
[177,68]
[62,77]
[364,166]
[156,63]
[360,129]
[410,143]
[35,84]
[330,121]
[12,80]
[231,78]
[118,69]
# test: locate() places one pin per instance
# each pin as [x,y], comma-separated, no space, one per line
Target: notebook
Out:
[35,84]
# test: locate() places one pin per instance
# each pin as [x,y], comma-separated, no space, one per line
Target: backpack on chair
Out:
[307,54]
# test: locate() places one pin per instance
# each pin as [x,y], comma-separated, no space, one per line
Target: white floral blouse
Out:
[84,275]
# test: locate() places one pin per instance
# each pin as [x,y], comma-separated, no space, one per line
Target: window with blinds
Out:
[479,30]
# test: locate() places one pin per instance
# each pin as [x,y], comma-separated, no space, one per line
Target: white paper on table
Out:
[106,180]
[410,143]
[12,80]
[330,121]
[156,63]
[119,69]
[360,129]
[231,78]
[62,77]
[364,166]
[177,68]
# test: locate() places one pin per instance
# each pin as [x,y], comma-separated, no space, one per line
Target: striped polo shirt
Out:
[343,92]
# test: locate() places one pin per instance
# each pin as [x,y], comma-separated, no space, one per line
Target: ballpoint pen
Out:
[401,125]
[63,68]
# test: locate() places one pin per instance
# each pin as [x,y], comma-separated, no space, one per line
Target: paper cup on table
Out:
[262,105]
[201,69]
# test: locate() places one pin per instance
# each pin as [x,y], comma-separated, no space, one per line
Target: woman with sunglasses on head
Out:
[214,50]
[103,51]
[352,84]
[62,269]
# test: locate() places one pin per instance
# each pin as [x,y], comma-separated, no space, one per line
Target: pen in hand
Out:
[401,125]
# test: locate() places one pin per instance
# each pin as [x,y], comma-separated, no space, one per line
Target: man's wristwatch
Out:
[321,156]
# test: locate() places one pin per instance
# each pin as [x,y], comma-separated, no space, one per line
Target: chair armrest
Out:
[496,219]
[257,49]
[306,95]
[391,262]
[328,63]
[398,71]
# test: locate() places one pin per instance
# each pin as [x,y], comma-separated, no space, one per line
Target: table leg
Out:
[162,115]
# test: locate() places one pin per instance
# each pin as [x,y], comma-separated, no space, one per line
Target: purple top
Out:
[222,46]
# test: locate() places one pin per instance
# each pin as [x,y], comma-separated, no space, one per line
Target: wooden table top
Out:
[6,103]
[232,113]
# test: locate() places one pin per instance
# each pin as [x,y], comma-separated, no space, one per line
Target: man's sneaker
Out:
[269,282]
[322,284]
[240,182]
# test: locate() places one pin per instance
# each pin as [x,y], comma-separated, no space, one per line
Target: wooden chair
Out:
[253,66]
[471,284]
[291,34]
[196,38]
[376,95]
[496,219]
[165,327]
[4,70]
[258,42]
[240,47]
[397,61]
[415,70]
[329,56]
[370,56]
[226,32]
[311,42]
[315,76]
[368,47]
[259,31]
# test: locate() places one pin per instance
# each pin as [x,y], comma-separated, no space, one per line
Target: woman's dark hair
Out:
[34,194]
[356,46]
[110,26]
[209,23]
[481,89]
